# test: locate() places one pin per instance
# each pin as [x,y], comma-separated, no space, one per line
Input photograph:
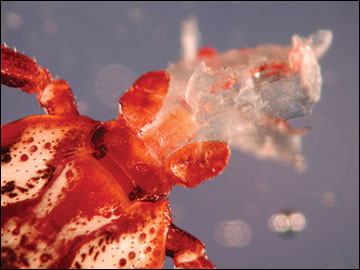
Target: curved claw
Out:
[139,105]
[196,162]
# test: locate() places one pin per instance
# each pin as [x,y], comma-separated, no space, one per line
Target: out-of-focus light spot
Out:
[328,199]
[13,20]
[233,233]
[287,223]
[279,223]
[111,82]
[49,26]
[134,15]
[297,221]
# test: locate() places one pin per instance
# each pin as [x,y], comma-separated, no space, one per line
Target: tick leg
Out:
[139,105]
[196,162]
[20,71]
[186,250]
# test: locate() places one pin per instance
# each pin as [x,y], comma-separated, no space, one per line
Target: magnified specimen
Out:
[80,193]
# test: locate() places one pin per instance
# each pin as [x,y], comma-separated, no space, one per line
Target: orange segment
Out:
[196,162]
[144,99]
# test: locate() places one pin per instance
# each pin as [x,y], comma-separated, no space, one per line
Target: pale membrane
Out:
[229,101]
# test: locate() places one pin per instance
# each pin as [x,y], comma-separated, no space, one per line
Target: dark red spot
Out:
[30,139]
[83,256]
[131,255]
[96,254]
[77,265]
[101,241]
[22,190]
[157,252]
[103,249]
[16,231]
[8,187]
[122,262]
[45,257]
[24,261]
[33,148]
[5,155]
[6,158]
[47,145]
[69,174]
[148,249]
[108,237]
[46,173]
[24,157]
[152,230]
[142,236]
[24,242]
[100,152]
[30,185]
[117,211]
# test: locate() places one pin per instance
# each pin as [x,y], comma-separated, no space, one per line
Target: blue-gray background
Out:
[89,44]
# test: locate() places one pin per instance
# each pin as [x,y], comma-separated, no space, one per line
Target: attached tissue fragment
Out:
[243,96]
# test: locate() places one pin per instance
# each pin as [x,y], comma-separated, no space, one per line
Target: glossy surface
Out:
[249,189]
[79,193]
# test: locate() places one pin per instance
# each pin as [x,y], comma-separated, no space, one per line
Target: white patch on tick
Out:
[24,176]
[144,248]
[55,194]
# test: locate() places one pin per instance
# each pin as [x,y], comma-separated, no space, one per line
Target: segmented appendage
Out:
[20,71]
